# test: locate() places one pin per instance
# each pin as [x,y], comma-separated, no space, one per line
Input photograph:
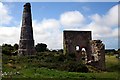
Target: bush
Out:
[74,66]
[7,49]
[41,47]
[71,56]
[61,57]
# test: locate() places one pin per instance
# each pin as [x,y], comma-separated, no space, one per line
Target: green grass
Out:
[28,70]
[112,63]
[51,73]
[48,73]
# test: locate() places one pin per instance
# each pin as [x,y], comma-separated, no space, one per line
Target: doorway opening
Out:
[84,55]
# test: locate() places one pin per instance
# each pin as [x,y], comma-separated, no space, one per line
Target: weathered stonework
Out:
[81,44]
[26,43]
[77,39]
[98,54]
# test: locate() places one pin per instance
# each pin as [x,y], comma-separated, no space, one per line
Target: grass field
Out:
[51,73]
[26,71]
[112,63]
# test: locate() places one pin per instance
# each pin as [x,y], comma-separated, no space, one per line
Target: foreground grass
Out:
[25,70]
[51,73]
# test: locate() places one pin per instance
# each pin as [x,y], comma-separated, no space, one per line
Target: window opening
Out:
[77,48]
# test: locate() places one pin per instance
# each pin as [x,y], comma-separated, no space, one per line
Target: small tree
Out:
[7,49]
[41,47]
[15,47]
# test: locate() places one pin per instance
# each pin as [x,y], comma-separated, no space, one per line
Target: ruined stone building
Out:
[26,43]
[81,44]
[98,54]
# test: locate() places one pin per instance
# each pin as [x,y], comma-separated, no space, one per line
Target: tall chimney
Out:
[26,43]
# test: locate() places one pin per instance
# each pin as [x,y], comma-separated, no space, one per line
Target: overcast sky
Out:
[51,18]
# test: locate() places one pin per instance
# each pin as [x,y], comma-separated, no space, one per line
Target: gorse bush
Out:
[49,60]
[71,56]
[74,66]
[8,49]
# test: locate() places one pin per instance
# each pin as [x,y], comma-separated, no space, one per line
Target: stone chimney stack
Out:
[26,43]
